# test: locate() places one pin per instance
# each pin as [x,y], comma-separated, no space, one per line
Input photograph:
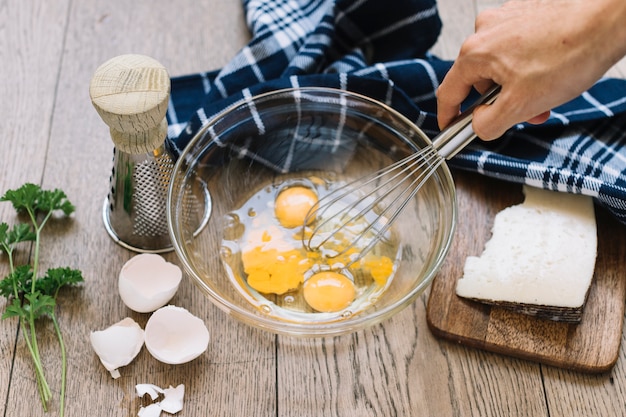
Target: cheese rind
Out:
[541,253]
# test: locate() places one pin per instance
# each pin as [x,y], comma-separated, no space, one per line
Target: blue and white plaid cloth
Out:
[381,49]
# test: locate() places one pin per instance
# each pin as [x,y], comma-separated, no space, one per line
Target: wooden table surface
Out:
[51,135]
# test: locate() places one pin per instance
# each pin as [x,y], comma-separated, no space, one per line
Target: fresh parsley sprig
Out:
[31,297]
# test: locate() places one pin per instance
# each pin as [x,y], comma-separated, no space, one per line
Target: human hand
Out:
[542,53]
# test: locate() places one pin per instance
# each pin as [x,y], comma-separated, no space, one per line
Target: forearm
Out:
[542,52]
[611,17]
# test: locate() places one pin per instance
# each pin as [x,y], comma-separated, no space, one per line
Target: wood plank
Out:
[31,55]
[458,24]
[487,4]
[366,373]
[233,377]
[486,384]
[575,394]
[399,368]
[30,52]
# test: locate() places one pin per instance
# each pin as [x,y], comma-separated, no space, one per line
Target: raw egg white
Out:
[328,291]
[293,204]
[263,247]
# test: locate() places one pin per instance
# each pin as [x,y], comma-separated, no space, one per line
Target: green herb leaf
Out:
[56,278]
[23,197]
[38,304]
[54,200]
[4,242]
[15,310]
[32,297]
[31,197]
[4,228]
[17,282]
[21,232]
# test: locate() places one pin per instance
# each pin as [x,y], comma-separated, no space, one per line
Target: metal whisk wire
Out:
[386,183]
[396,184]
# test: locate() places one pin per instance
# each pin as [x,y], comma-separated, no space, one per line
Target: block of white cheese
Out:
[540,259]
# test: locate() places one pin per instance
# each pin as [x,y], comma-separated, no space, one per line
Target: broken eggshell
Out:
[171,403]
[152,390]
[118,345]
[173,399]
[152,410]
[173,335]
[147,282]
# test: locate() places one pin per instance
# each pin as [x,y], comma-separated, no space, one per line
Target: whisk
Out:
[365,218]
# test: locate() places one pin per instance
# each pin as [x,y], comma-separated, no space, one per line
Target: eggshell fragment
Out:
[152,390]
[152,410]
[118,345]
[147,282]
[173,401]
[174,335]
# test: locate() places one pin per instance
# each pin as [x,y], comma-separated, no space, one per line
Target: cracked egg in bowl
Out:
[239,209]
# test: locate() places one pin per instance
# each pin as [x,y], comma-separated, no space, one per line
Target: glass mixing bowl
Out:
[297,136]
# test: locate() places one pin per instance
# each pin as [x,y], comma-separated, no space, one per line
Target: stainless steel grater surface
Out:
[134,211]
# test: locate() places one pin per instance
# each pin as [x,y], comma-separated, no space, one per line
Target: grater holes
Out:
[152,180]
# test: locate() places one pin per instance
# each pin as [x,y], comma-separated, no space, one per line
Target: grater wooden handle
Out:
[131,94]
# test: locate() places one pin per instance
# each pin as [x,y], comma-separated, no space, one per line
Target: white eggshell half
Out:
[118,345]
[175,336]
[147,282]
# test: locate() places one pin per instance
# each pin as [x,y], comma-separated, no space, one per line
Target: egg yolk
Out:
[328,292]
[275,272]
[293,204]
[380,267]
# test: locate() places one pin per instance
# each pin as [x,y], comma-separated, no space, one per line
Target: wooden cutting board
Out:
[591,346]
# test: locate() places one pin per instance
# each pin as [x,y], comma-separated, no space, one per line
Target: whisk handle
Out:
[460,132]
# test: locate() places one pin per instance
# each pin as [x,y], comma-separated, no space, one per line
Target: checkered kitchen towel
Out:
[380,48]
